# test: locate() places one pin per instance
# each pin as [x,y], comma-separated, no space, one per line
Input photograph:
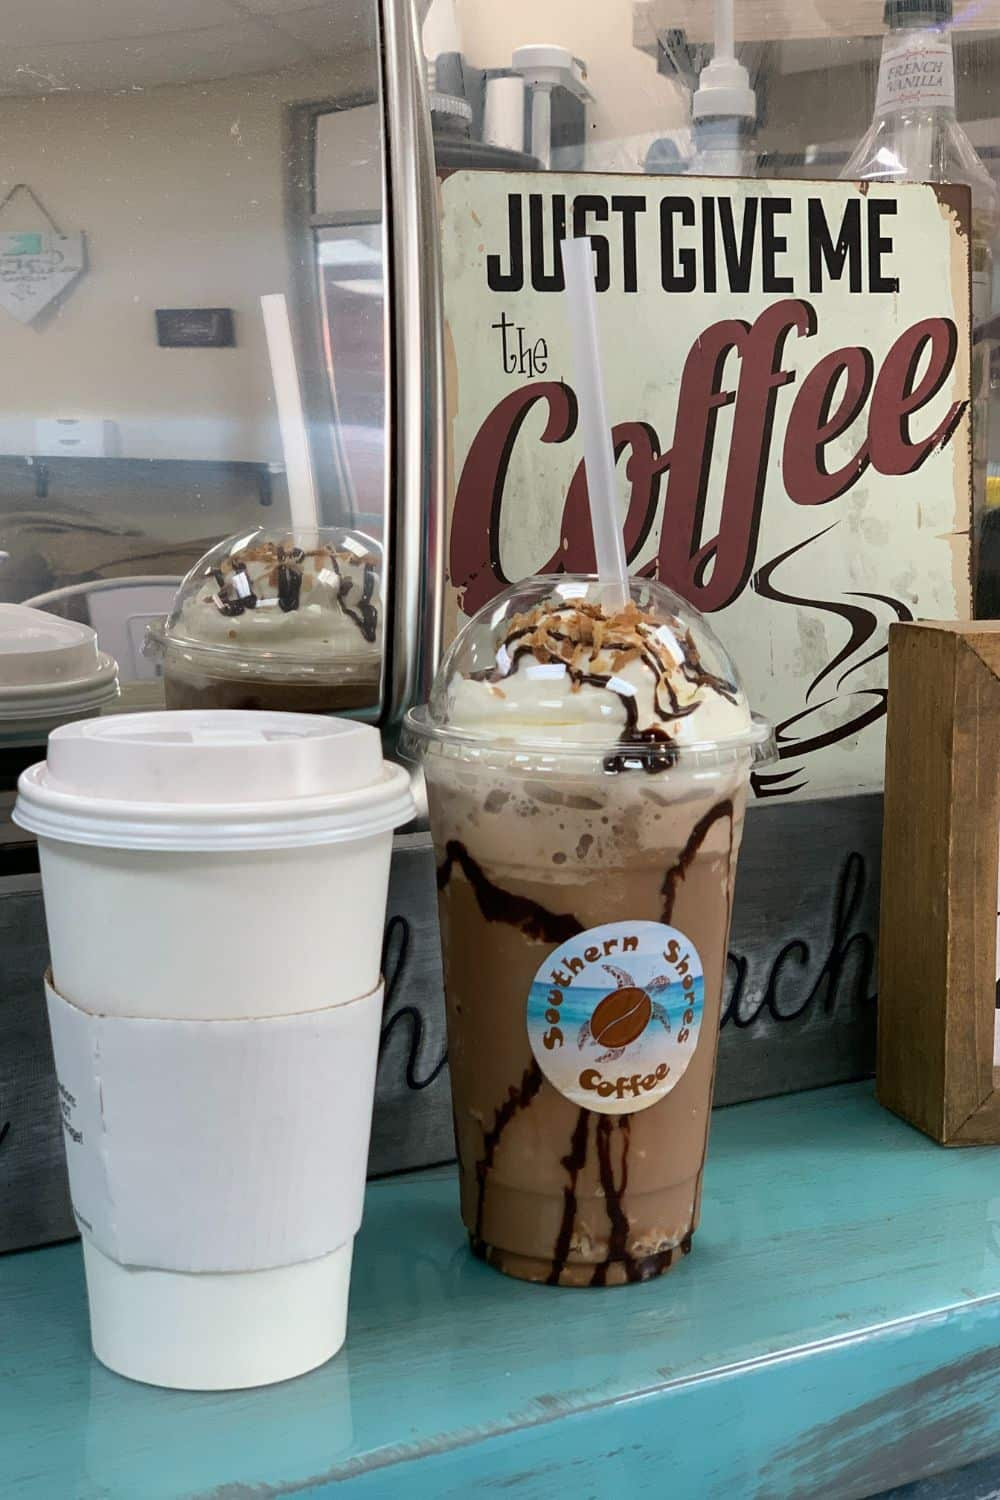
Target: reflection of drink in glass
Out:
[277,620]
[587,779]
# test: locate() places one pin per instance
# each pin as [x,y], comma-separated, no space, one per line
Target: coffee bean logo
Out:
[621,1061]
[622,1016]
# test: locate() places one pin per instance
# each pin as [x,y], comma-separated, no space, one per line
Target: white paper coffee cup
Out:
[215,887]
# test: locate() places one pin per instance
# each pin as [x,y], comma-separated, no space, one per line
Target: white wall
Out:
[179,190]
[633,104]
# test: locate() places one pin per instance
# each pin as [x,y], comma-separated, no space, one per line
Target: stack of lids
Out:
[51,671]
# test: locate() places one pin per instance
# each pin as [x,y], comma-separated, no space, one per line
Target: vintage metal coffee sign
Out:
[788,373]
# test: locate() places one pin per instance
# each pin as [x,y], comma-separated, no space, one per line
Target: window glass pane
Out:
[167,163]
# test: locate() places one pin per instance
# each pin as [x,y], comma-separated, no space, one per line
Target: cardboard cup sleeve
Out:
[214,1146]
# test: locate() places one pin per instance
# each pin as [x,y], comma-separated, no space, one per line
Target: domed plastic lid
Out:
[215,779]
[548,667]
[284,603]
[50,668]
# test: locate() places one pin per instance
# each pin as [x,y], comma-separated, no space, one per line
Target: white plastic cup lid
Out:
[213,779]
[36,648]
[50,669]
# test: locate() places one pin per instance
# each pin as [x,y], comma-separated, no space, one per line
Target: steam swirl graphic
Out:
[864,706]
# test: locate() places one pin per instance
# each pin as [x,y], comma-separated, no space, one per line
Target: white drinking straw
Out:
[291,417]
[598,452]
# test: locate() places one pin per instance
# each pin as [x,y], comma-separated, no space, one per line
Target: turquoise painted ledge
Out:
[836,1331]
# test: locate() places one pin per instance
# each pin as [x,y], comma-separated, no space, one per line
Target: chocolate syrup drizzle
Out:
[498,905]
[699,675]
[690,665]
[699,833]
[602,680]
[365,616]
[631,733]
[289,580]
[516,1100]
[573,1163]
[613,1194]
[286,579]
[230,600]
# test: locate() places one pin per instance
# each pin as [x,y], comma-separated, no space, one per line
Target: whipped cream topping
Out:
[269,597]
[632,677]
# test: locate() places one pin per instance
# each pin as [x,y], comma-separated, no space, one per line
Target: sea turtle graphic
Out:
[623,1015]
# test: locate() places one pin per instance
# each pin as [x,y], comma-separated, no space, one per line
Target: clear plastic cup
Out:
[286,620]
[586,830]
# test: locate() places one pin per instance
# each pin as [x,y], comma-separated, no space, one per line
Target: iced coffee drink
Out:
[587,775]
[277,620]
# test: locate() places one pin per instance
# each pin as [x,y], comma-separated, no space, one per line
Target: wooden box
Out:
[938,939]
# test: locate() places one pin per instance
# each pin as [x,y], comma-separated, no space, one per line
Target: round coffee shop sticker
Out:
[614,1015]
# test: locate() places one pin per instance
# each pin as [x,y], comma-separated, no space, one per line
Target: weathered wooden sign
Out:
[788,373]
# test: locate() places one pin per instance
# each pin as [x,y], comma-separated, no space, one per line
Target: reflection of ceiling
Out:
[84,45]
[783,20]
